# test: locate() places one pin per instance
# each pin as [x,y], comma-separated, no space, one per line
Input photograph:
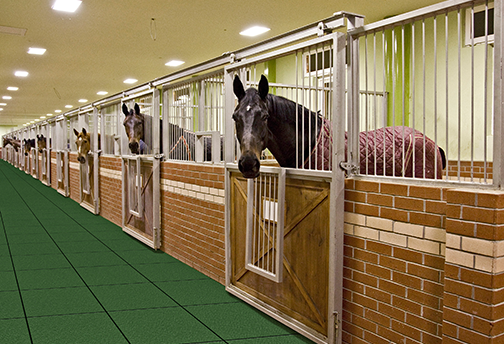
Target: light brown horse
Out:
[83,143]
[13,142]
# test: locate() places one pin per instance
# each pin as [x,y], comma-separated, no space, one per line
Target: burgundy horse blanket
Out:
[391,151]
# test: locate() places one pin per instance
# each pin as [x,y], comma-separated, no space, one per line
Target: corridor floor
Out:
[68,276]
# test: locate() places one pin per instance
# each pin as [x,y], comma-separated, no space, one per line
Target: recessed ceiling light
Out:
[42,117]
[130,81]
[36,51]
[69,106]
[102,93]
[21,73]
[57,111]
[254,31]
[6,97]
[32,122]
[12,88]
[66,5]
[1,109]
[174,63]
[82,100]
[3,104]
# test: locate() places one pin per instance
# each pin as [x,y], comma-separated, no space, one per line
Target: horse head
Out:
[28,144]
[41,143]
[83,143]
[251,124]
[134,126]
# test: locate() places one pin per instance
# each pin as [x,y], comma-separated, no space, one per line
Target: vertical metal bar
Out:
[366,110]
[447,102]
[413,94]
[375,99]
[435,99]
[385,118]
[498,83]
[459,95]
[485,96]
[393,50]
[424,94]
[472,93]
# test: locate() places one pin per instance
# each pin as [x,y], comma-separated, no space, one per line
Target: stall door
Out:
[298,292]
[141,207]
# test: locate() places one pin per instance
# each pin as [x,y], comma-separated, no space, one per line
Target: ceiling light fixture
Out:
[130,81]
[42,117]
[1,109]
[102,93]
[174,63]
[66,5]
[69,106]
[21,73]
[6,97]
[57,111]
[82,100]
[12,88]
[3,104]
[254,31]
[36,51]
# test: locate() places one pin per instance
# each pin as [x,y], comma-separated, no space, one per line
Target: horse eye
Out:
[265,116]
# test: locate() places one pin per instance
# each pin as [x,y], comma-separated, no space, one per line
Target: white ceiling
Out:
[105,42]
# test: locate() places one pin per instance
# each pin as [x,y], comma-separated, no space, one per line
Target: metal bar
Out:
[498,84]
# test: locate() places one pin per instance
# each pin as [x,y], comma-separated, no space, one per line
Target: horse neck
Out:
[283,131]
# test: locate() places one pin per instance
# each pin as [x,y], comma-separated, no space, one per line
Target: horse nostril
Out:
[249,165]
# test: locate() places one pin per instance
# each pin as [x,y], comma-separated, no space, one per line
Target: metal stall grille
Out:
[110,136]
[436,71]
[309,84]
[265,225]
[141,173]
[193,114]
[62,166]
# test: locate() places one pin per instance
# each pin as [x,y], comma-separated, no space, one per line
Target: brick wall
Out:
[110,189]
[423,264]
[474,271]
[193,216]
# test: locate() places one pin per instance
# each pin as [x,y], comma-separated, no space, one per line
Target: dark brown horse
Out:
[298,137]
[41,143]
[135,124]
[83,143]
[28,144]
[13,142]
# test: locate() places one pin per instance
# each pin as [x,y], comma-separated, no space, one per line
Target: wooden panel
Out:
[144,225]
[303,293]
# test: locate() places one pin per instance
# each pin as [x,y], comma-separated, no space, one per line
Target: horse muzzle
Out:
[133,146]
[249,166]
[81,159]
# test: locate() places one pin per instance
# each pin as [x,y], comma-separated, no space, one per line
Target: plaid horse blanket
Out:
[391,151]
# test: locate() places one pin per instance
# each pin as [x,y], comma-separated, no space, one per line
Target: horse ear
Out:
[38,137]
[125,110]
[84,131]
[263,87]
[137,109]
[76,132]
[238,89]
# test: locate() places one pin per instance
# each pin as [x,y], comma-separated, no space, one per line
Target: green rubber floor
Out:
[68,276]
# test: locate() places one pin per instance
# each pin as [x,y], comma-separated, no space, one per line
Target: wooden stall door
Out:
[140,189]
[303,292]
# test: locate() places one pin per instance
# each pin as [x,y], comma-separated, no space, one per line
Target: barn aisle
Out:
[68,276]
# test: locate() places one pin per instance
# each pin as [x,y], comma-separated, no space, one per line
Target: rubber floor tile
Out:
[146,256]
[286,339]
[161,272]
[125,244]
[7,281]
[24,230]
[206,291]
[110,234]
[45,261]
[72,236]
[237,320]
[21,238]
[82,246]
[59,301]
[78,328]
[86,259]
[14,331]
[106,275]
[63,228]
[10,305]
[50,278]
[131,296]
[5,263]
[34,249]
[162,325]
[4,251]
